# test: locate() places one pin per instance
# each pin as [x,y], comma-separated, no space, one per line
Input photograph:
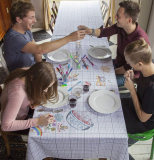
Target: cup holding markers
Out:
[65,78]
[86,86]
[72,101]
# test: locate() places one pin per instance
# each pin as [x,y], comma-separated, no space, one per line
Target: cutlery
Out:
[51,110]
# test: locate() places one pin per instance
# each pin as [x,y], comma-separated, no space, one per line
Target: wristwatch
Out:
[93,32]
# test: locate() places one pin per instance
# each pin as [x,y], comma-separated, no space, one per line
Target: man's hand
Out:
[87,30]
[77,35]
[129,73]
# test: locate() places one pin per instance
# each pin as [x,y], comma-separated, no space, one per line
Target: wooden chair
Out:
[51,23]
[104,9]
[54,9]
[8,142]
[3,62]
[108,24]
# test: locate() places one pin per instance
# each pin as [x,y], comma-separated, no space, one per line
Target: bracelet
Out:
[93,32]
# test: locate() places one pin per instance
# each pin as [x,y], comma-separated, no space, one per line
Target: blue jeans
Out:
[120,77]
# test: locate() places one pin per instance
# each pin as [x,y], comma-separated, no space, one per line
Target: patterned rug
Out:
[41,35]
[15,154]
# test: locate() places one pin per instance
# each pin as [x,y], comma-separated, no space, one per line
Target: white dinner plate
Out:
[59,55]
[104,101]
[63,99]
[99,52]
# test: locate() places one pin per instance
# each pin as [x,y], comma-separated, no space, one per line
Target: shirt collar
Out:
[133,34]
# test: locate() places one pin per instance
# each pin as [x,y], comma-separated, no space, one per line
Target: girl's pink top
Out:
[14,105]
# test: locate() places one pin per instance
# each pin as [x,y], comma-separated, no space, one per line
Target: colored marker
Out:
[85,63]
[58,70]
[70,71]
[74,86]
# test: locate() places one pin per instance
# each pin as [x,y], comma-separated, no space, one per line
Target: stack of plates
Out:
[104,101]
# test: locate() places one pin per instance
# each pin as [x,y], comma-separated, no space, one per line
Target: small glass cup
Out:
[86,86]
[74,75]
[64,77]
[77,92]
[72,101]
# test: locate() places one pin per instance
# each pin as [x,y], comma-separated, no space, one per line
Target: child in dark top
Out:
[139,115]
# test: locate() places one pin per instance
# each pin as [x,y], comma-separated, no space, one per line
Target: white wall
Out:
[150,30]
[144,14]
[39,14]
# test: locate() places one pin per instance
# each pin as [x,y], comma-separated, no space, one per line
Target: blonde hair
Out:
[139,51]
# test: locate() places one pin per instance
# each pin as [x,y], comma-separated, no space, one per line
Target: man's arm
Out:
[88,31]
[38,57]
[120,70]
[140,113]
[47,47]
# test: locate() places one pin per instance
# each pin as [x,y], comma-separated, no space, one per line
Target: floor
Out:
[139,150]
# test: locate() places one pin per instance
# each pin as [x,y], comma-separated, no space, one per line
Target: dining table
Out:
[81,132]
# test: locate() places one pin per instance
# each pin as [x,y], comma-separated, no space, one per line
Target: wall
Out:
[150,30]
[38,4]
[144,14]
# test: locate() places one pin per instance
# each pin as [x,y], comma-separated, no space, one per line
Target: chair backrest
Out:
[54,9]
[104,9]
[4,65]
[51,23]
[55,6]
[108,24]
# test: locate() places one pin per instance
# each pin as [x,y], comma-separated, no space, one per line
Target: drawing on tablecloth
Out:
[53,129]
[60,127]
[105,69]
[100,81]
[38,130]
[79,121]
[58,117]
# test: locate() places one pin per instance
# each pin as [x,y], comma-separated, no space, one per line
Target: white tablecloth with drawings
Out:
[105,136]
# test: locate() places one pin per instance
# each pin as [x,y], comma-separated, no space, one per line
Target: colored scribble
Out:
[60,127]
[58,117]
[100,81]
[105,69]
[78,120]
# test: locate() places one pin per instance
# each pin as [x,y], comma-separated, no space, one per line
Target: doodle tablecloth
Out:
[80,132]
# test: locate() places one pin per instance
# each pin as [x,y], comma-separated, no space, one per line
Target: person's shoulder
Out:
[16,85]
[12,35]
[29,32]
[140,33]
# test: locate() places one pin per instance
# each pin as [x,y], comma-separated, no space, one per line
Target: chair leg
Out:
[7,144]
[152,148]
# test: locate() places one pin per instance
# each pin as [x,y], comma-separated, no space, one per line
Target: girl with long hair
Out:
[24,90]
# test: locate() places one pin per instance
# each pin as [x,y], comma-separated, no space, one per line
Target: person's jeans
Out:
[120,77]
